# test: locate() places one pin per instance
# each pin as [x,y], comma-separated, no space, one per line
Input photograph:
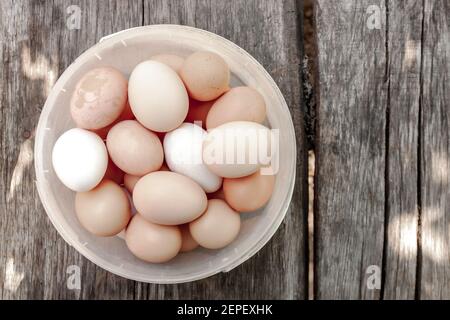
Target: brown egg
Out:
[238,104]
[217,227]
[172,60]
[169,198]
[130,181]
[104,210]
[127,114]
[187,242]
[134,149]
[198,111]
[152,242]
[248,193]
[205,75]
[99,98]
[114,173]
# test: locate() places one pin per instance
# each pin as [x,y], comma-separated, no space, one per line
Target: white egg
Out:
[157,96]
[183,154]
[80,159]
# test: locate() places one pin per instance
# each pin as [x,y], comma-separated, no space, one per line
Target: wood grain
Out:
[268,30]
[351,150]
[404,40]
[36,48]
[435,152]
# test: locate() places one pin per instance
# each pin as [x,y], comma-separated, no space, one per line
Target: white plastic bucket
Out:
[124,50]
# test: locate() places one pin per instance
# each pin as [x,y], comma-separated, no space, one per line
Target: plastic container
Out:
[124,50]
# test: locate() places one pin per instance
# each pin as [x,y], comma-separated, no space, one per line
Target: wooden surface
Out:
[36,47]
[382,200]
[382,143]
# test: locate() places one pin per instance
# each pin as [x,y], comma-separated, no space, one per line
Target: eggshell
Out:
[238,104]
[198,111]
[103,211]
[171,60]
[127,114]
[248,193]
[134,149]
[217,227]
[183,154]
[80,159]
[152,242]
[169,198]
[187,242]
[99,98]
[114,173]
[237,149]
[157,96]
[206,75]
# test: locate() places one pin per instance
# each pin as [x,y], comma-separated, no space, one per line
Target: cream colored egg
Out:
[169,198]
[206,75]
[104,210]
[152,242]
[172,60]
[217,227]
[188,243]
[249,193]
[238,104]
[134,149]
[238,149]
[157,96]
[99,98]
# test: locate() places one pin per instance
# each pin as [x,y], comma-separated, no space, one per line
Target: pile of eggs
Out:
[123,157]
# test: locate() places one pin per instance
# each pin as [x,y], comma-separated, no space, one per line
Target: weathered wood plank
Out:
[351,150]
[36,47]
[404,38]
[435,152]
[270,31]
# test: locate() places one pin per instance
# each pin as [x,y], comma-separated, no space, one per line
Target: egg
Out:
[114,173]
[198,111]
[130,181]
[134,149]
[183,154]
[171,60]
[104,210]
[157,96]
[248,193]
[99,98]
[217,227]
[238,104]
[168,198]
[152,242]
[187,242]
[206,75]
[80,159]
[127,114]
[239,148]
